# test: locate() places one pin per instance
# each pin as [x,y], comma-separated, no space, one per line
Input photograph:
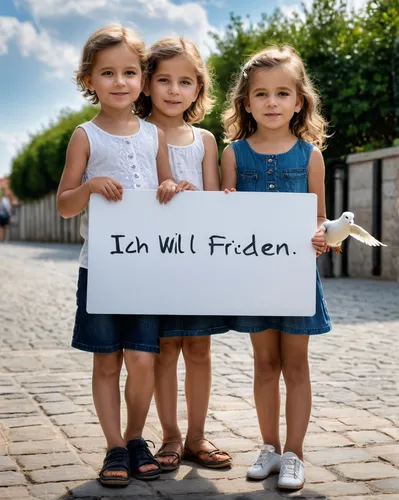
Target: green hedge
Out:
[37,169]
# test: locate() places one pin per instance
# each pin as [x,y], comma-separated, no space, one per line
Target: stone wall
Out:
[361,204]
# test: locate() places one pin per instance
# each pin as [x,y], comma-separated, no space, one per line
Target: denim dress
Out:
[279,173]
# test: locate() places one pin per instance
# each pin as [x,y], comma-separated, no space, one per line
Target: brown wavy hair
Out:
[109,36]
[173,46]
[308,125]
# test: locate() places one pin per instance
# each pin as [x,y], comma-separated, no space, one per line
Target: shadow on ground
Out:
[192,486]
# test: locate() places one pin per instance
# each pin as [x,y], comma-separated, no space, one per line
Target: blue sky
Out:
[40,41]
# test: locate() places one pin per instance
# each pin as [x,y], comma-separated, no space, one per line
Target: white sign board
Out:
[203,254]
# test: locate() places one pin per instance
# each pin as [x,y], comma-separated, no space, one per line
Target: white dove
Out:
[338,230]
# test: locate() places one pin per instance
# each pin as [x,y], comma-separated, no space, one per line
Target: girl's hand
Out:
[319,242]
[109,188]
[232,190]
[166,190]
[185,186]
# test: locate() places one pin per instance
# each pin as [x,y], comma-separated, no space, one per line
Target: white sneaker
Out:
[268,461]
[292,473]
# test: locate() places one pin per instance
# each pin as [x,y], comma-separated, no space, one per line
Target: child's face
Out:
[116,76]
[174,86]
[272,97]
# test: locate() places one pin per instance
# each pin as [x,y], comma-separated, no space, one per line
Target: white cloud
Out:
[189,13]
[10,143]
[13,140]
[58,56]
[188,19]
[296,8]
[215,3]
[7,31]
[357,4]
[56,8]
[288,9]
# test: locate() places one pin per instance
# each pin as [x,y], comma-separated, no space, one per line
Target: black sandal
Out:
[140,455]
[116,459]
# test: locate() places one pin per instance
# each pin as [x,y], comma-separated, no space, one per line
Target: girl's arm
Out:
[228,167]
[316,183]
[167,185]
[72,195]
[163,167]
[210,169]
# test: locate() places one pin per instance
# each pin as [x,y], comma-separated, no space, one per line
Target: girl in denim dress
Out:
[177,97]
[277,133]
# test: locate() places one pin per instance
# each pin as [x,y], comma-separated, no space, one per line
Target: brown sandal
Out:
[175,464]
[212,464]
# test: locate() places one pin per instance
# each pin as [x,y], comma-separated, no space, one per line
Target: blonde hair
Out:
[109,36]
[308,125]
[167,48]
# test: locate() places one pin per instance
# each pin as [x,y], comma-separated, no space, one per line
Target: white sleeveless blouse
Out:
[186,161]
[131,160]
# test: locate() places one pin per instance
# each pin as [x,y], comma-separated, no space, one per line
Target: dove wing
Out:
[362,235]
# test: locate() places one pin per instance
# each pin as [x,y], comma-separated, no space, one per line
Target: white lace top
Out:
[131,160]
[186,161]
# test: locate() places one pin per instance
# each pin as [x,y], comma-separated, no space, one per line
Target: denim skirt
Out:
[304,325]
[192,326]
[106,333]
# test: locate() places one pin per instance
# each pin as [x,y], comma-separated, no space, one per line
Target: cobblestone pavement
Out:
[51,444]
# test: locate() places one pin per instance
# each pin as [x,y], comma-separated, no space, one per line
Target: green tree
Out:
[350,56]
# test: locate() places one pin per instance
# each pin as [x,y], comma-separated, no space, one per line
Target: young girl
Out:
[113,152]
[278,131]
[177,96]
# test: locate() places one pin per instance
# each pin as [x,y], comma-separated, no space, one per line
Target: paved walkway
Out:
[51,444]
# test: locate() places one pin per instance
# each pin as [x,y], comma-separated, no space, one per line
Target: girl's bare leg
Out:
[107,401]
[138,394]
[266,346]
[197,356]
[166,388]
[295,367]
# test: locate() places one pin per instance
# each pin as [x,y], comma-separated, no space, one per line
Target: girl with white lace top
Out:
[115,151]
[176,96]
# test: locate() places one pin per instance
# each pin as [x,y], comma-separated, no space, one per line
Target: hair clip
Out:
[245,74]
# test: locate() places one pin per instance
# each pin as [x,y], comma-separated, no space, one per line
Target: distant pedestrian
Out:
[5,213]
